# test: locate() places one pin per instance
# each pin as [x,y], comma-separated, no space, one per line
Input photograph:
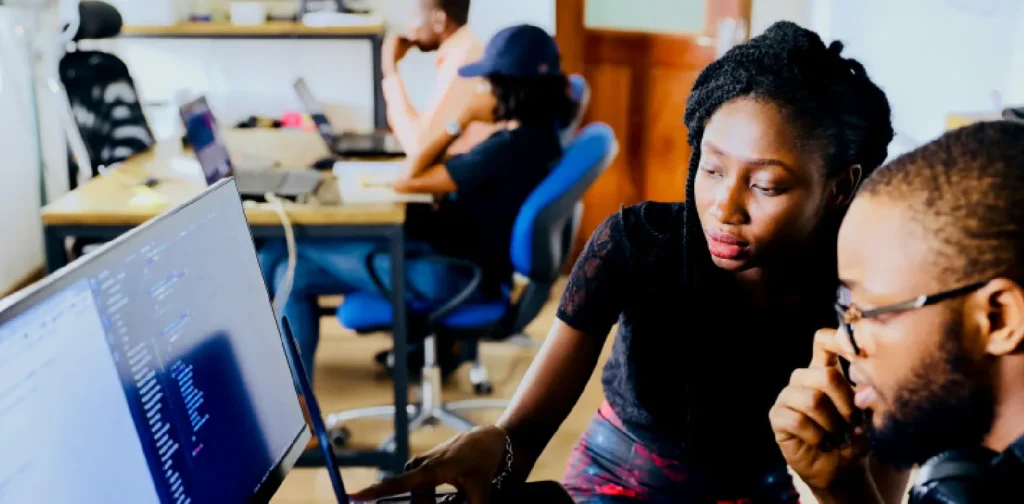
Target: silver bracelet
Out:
[507,470]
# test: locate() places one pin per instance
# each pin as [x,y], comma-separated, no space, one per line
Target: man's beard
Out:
[947,404]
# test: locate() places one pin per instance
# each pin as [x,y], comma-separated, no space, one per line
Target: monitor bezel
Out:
[24,300]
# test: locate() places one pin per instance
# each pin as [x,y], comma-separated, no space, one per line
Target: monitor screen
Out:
[210,149]
[151,371]
[315,110]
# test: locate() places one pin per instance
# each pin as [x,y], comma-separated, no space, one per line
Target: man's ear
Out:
[1001,319]
[844,185]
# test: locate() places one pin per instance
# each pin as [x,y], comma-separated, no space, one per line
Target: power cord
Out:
[285,289]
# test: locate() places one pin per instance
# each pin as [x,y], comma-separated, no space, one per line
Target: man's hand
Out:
[812,422]
[395,48]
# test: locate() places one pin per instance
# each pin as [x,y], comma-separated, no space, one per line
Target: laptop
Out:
[212,153]
[377,144]
[151,371]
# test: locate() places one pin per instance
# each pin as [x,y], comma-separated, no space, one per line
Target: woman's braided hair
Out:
[838,110]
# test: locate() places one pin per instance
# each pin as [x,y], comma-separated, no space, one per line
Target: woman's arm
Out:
[548,392]
[478,108]
[435,180]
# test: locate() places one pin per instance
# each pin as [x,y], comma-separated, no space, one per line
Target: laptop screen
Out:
[315,110]
[150,372]
[210,149]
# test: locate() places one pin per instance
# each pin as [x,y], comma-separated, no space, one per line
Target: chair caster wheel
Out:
[484,388]
[339,437]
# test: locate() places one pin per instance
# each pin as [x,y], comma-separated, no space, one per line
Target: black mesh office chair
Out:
[102,98]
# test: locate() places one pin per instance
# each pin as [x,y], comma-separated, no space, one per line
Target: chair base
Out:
[430,411]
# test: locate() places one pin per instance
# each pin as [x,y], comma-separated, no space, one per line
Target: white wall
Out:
[21,248]
[246,77]
[763,13]
[933,57]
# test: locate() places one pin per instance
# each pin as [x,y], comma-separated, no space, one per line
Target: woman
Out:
[480,191]
[782,129]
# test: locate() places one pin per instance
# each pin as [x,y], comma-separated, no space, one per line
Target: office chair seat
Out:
[368,312]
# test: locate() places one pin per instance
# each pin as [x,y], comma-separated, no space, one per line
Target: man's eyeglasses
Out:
[850,314]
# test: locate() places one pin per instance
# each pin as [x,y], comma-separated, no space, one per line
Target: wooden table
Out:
[961,119]
[109,205]
[372,31]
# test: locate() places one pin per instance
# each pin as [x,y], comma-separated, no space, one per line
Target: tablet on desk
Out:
[373,182]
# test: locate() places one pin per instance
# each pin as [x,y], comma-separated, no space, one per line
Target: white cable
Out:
[285,289]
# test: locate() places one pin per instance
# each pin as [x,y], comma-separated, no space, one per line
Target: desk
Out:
[103,209]
[961,119]
[372,31]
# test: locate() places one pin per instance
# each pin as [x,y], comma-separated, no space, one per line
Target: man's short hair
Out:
[457,10]
[966,189]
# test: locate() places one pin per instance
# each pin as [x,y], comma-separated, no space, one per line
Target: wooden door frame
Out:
[571,34]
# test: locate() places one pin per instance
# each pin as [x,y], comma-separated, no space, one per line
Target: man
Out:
[943,227]
[435,26]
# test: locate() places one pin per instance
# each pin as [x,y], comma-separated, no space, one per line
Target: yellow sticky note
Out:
[146,196]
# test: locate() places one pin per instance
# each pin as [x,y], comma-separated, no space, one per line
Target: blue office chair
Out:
[542,237]
[580,93]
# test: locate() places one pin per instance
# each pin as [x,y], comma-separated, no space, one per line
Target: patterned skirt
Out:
[610,465]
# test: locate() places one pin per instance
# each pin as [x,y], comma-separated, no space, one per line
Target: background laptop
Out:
[151,371]
[212,153]
[348,144]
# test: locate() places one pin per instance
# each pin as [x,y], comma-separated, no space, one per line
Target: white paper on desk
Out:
[370,182]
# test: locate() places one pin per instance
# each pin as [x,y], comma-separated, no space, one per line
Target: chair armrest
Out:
[458,299]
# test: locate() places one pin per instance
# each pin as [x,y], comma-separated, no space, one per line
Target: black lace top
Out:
[686,370]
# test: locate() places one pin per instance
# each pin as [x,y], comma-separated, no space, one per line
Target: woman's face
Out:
[759,192]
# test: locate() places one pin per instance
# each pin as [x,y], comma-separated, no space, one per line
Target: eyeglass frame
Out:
[846,312]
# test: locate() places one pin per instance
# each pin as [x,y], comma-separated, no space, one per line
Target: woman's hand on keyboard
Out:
[469,462]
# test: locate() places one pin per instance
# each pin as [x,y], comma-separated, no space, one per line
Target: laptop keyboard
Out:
[270,181]
[282,182]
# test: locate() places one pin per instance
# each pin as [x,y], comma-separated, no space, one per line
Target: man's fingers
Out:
[826,349]
[813,403]
[402,484]
[831,382]
[790,424]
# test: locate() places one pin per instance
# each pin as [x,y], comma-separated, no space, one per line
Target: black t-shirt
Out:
[493,181]
[685,370]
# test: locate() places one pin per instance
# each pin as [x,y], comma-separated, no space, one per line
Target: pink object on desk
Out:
[292,120]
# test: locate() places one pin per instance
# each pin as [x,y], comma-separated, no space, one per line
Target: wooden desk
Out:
[958,120]
[372,32]
[118,200]
[108,206]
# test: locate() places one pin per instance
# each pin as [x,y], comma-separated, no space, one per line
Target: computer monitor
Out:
[151,371]
[210,148]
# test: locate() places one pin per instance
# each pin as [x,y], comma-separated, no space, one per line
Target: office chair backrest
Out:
[580,93]
[102,94]
[97,20]
[538,237]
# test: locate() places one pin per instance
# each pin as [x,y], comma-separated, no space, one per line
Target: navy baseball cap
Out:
[517,51]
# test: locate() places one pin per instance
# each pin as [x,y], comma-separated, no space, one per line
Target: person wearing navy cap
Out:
[479,192]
